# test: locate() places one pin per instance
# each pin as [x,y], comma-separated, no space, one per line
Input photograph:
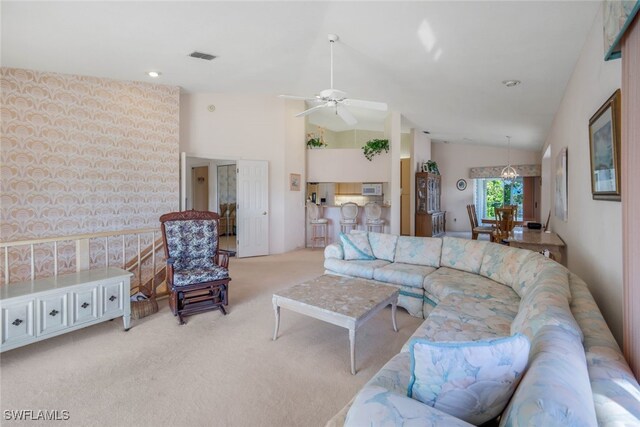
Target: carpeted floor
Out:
[215,371]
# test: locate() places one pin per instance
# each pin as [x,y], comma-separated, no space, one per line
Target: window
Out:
[491,193]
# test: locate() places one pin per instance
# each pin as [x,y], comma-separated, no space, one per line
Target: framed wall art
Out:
[604,148]
[294,182]
[561,185]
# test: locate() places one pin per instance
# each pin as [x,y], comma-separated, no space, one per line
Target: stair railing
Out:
[83,252]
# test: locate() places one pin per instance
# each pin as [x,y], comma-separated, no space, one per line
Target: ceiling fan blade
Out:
[346,115]
[371,105]
[310,110]
[303,98]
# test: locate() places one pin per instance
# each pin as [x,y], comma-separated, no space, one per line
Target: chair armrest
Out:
[222,258]
[377,406]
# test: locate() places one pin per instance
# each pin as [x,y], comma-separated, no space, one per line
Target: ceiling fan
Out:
[337,99]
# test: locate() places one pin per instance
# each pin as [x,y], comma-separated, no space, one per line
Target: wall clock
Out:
[461,184]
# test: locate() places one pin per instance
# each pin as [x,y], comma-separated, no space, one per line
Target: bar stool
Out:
[319,226]
[373,211]
[349,217]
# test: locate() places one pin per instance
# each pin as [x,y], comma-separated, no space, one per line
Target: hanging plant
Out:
[375,147]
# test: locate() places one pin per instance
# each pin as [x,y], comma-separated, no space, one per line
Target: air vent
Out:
[201,55]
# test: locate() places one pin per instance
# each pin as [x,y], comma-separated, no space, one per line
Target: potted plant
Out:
[314,141]
[374,147]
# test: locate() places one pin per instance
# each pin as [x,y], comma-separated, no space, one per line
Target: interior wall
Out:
[593,231]
[347,165]
[454,162]
[251,127]
[81,155]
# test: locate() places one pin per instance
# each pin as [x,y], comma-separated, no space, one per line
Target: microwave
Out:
[371,189]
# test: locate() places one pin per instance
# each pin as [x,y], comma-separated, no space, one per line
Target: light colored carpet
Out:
[214,371]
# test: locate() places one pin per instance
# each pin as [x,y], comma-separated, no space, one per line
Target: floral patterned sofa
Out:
[477,291]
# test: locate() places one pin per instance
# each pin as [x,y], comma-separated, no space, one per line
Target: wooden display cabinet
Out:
[430,220]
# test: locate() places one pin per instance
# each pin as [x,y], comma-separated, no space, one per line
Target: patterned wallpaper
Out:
[84,154]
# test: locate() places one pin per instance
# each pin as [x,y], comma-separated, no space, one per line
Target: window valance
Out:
[494,171]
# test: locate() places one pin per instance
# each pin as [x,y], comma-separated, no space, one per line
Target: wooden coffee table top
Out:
[346,296]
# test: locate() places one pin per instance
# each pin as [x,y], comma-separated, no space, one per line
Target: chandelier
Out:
[509,173]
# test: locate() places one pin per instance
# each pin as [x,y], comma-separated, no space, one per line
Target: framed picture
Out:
[561,185]
[604,145]
[294,181]
[461,184]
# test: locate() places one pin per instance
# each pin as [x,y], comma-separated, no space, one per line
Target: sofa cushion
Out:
[466,318]
[363,269]
[419,251]
[471,380]
[462,254]
[537,265]
[502,263]
[356,246]
[447,281]
[383,245]
[403,274]
[555,389]
[544,305]
[411,299]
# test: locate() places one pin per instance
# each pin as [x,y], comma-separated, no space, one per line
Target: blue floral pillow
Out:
[356,246]
[471,380]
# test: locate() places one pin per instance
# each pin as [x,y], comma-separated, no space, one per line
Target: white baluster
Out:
[6,265]
[33,263]
[55,258]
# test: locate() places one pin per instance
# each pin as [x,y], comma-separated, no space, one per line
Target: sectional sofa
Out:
[480,293]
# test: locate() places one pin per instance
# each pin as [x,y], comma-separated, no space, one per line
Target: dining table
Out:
[539,241]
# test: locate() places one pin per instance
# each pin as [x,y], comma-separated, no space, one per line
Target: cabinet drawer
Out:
[85,305]
[52,313]
[112,298]
[17,322]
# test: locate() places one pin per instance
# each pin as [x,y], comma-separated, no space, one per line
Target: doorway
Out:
[220,185]
[200,187]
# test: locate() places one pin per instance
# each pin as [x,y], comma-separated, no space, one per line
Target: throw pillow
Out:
[356,246]
[471,380]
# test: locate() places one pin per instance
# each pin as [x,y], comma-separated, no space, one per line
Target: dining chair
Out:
[475,228]
[505,221]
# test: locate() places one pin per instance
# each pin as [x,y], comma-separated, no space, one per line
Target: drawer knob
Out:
[112,298]
[84,305]
[16,322]
[54,312]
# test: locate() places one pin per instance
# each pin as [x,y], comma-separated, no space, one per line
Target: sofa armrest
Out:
[334,250]
[377,406]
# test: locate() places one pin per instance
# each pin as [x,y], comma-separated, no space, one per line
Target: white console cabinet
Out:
[39,309]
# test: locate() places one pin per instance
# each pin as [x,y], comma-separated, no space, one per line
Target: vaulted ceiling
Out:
[441,64]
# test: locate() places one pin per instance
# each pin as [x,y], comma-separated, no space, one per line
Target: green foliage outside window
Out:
[499,194]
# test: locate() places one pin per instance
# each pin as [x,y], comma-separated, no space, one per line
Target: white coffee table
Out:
[338,300]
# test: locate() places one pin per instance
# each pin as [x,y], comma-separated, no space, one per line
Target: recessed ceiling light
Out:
[154,74]
[511,83]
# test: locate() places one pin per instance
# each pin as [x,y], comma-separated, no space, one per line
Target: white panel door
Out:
[252,209]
